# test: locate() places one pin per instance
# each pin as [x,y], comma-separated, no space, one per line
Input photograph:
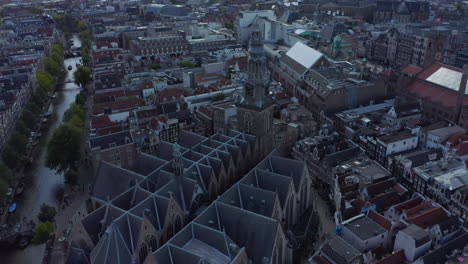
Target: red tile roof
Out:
[208,77]
[241,61]
[108,96]
[109,130]
[358,204]
[411,69]
[463,149]
[147,84]
[203,90]
[101,121]
[378,252]
[428,71]
[281,96]
[428,218]
[420,208]
[118,105]
[207,112]
[396,258]
[171,94]
[408,204]
[147,113]
[386,200]
[380,187]
[438,94]
[349,188]
[380,219]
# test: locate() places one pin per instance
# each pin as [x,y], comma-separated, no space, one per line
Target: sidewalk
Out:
[63,223]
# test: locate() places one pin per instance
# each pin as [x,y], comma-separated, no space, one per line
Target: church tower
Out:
[255,112]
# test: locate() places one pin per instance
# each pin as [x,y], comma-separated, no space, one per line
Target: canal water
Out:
[43,183]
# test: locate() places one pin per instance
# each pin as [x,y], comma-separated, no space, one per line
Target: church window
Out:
[248,122]
[149,244]
[267,121]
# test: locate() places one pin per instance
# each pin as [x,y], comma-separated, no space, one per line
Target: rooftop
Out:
[363,227]
[417,233]
[304,55]
[339,250]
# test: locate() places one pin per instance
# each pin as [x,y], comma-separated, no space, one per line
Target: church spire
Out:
[256,88]
[178,166]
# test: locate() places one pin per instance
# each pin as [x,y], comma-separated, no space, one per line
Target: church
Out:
[220,199]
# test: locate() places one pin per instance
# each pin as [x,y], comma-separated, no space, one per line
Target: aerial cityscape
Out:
[233,132]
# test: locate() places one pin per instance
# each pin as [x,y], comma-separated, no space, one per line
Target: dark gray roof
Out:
[77,256]
[420,157]
[419,235]
[439,255]
[108,141]
[219,232]
[255,232]
[340,251]
[364,228]
[112,181]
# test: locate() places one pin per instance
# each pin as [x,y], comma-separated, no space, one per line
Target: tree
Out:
[44,80]
[82,76]
[37,98]
[219,97]
[11,157]
[186,64]
[3,187]
[63,150]
[80,99]
[42,232]
[71,177]
[18,142]
[82,26]
[228,25]
[47,213]
[5,173]
[53,67]
[5,176]
[28,118]
[155,66]
[21,128]
[35,109]
[57,48]
[85,56]
[74,111]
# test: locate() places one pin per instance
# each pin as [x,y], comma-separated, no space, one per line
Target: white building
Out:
[437,137]
[246,19]
[364,234]
[414,241]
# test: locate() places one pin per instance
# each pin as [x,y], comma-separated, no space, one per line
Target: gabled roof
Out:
[428,218]
[439,255]
[419,235]
[379,219]
[304,55]
[395,258]
[340,251]
[408,204]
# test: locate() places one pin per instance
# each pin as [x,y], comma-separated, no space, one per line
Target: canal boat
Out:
[70,67]
[20,188]
[12,208]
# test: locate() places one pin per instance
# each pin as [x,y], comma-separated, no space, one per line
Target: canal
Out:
[43,183]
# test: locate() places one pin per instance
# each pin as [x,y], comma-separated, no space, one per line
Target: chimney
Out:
[461,94]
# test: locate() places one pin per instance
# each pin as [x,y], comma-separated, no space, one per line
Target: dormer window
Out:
[112,145]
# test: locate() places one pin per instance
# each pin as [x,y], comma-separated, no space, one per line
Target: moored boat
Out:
[12,208]
[20,188]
